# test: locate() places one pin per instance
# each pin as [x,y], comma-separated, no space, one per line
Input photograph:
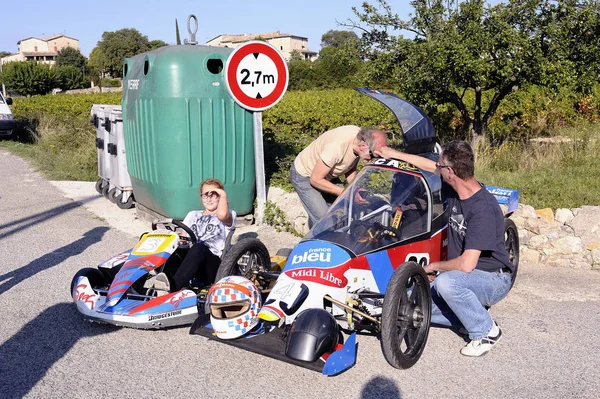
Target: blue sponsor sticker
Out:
[316,253]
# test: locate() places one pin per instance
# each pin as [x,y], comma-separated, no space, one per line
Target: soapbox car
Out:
[118,291]
[360,268]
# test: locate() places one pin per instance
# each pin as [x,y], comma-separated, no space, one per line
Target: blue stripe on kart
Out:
[382,269]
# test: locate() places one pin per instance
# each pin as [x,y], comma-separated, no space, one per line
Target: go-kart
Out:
[360,268]
[118,291]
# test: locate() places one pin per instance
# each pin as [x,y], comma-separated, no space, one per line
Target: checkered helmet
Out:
[234,303]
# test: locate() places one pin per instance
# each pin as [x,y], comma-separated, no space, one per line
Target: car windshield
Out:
[1,99]
[383,206]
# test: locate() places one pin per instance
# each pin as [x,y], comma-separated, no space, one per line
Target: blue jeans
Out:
[315,202]
[459,298]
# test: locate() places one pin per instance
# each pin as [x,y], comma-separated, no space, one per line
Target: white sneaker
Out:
[482,346]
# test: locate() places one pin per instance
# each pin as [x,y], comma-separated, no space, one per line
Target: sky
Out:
[156,19]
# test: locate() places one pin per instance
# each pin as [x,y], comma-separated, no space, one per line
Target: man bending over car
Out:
[477,273]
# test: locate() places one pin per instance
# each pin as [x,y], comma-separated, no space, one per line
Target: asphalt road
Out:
[550,322]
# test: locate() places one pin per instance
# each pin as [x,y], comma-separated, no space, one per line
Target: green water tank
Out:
[181,126]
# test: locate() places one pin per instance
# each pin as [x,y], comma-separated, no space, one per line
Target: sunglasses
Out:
[440,166]
[210,194]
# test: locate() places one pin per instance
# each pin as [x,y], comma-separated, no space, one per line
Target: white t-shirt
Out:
[209,229]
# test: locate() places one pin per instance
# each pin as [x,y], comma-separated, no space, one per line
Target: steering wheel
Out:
[177,223]
[386,230]
[380,229]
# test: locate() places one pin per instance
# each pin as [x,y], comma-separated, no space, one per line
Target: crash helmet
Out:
[314,332]
[234,303]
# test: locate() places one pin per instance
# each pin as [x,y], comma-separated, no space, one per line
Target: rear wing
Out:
[505,196]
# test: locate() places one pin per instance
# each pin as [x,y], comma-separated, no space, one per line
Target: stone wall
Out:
[565,238]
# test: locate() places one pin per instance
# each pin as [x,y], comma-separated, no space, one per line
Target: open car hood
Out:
[417,130]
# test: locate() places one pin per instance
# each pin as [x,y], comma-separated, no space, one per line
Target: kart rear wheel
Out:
[246,258]
[406,316]
[511,243]
[94,276]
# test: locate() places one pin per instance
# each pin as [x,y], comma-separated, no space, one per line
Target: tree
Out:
[4,54]
[490,51]
[70,56]
[154,44]
[340,64]
[337,38]
[28,78]
[70,77]
[116,46]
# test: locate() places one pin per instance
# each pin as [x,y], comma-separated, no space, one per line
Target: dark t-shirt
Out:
[477,223]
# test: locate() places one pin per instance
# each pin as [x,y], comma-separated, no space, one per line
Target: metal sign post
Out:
[257,77]
[259,165]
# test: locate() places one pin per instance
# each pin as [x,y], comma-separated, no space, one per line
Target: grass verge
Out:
[561,172]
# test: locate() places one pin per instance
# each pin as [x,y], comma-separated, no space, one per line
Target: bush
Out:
[70,77]
[28,78]
[110,82]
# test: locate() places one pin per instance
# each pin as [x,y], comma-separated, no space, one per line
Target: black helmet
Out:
[313,333]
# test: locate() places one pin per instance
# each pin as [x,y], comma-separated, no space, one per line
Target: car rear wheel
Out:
[406,316]
[511,243]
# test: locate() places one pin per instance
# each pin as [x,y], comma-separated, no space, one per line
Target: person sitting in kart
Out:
[211,226]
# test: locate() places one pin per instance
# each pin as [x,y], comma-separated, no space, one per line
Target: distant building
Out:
[41,50]
[284,42]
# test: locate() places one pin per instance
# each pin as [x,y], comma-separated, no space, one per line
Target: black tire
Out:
[99,186]
[95,277]
[405,320]
[112,195]
[124,205]
[511,243]
[245,258]
[105,190]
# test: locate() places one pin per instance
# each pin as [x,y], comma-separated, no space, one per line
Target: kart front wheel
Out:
[511,243]
[246,258]
[94,276]
[406,316]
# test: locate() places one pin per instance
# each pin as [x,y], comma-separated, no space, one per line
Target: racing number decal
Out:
[420,258]
[284,291]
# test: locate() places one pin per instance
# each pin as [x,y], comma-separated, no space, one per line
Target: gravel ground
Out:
[549,321]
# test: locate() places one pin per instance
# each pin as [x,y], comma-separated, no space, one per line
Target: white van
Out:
[7,124]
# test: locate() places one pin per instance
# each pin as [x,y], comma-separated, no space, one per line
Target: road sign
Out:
[256,75]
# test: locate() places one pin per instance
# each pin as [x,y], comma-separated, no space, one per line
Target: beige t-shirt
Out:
[334,148]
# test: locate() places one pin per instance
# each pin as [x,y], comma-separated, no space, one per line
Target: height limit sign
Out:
[256,75]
